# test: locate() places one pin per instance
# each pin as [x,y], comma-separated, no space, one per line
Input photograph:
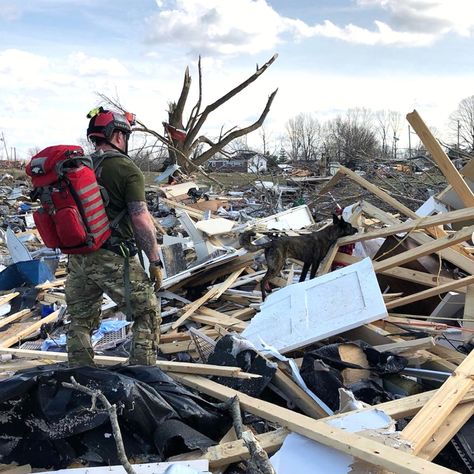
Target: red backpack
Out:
[72,215]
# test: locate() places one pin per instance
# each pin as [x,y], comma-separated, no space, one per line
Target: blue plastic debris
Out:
[32,272]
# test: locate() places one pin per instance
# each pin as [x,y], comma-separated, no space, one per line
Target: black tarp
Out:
[48,426]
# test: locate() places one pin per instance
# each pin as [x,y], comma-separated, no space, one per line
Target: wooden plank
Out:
[459,260]
[330,184]
[14,317]
[29,330]
[468,315]
[168,366]
[424,249]
[296,394]
[450,426]
[243,314]
[418,223]
[439,156]
[6,298]
[437,290]
[52,284]
[226,321]
[429,419]
[349,443]
[194,306]
[403,346]
[423,278]
[328,260]
[196,214]
[227,283]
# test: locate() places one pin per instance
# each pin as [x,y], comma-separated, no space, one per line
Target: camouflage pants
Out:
[89,277]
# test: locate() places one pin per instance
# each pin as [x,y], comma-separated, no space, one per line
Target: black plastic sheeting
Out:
[234,351]
[49,426]
[321,372]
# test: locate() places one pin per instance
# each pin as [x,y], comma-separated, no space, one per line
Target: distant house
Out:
[244,161]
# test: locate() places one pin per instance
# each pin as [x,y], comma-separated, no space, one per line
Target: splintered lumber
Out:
[349,443]
[225,321]
[194,306]
[401,346]
[468,315]
[423,278]
[418,223]
[328,260]
[14,317]
[437,290]
[439,156]
[167,366]
[29,330]
[6,298]
[450,426]
[424,249]
[191,211]
[299,397]
[52,284]
[225,285]
[462,261]
[430,418]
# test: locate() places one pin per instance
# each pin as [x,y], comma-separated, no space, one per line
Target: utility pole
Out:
[409,141]
[395,140]
[4,144]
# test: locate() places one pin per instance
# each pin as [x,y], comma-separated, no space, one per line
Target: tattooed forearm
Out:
[144,229]
[146,240]
[135,208]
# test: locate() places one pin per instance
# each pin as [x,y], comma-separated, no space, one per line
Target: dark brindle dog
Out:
[310,249]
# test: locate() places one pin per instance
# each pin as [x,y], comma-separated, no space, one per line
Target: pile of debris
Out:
[366,367]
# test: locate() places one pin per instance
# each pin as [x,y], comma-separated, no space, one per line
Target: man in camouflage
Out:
[114,268]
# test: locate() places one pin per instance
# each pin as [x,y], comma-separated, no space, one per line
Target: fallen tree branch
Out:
[112,411]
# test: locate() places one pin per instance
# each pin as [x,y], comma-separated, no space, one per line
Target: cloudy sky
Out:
[55,55]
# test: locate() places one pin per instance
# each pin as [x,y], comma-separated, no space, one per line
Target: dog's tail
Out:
[244,240]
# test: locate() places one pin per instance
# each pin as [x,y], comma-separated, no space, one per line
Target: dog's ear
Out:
[335,219]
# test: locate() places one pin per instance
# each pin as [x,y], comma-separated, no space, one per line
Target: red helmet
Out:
[103,123]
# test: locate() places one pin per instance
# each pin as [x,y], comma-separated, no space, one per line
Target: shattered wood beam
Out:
[423,278]
[439,156]
[5,299]
[227,283]
[468,314]
[424,249]
[403,346]
[231,452]
[437,290]
[227,322]
[328,260]
[459,260]
[167,366]
[194,306]
[53,284]
[196,214]
[29,330]
[295,393]
[329,185]
[430,418]
[14,317]
[349,443]
[451,425]
[419,223]
[436,232]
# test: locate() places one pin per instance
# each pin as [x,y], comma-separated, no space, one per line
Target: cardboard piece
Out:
[310,311]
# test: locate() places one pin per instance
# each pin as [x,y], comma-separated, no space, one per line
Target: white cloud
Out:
[85,65]
[214,27]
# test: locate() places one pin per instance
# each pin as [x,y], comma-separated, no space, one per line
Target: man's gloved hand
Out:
[156,274]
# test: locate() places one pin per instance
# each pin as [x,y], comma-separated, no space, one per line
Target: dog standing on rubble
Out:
[310,249]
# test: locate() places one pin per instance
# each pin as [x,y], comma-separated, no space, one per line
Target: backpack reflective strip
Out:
[94,216]
[88,188]
[92,197]
[95,226]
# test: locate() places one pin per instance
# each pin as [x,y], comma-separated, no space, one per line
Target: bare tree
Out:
[461,122]
[303,137]
[351,140]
